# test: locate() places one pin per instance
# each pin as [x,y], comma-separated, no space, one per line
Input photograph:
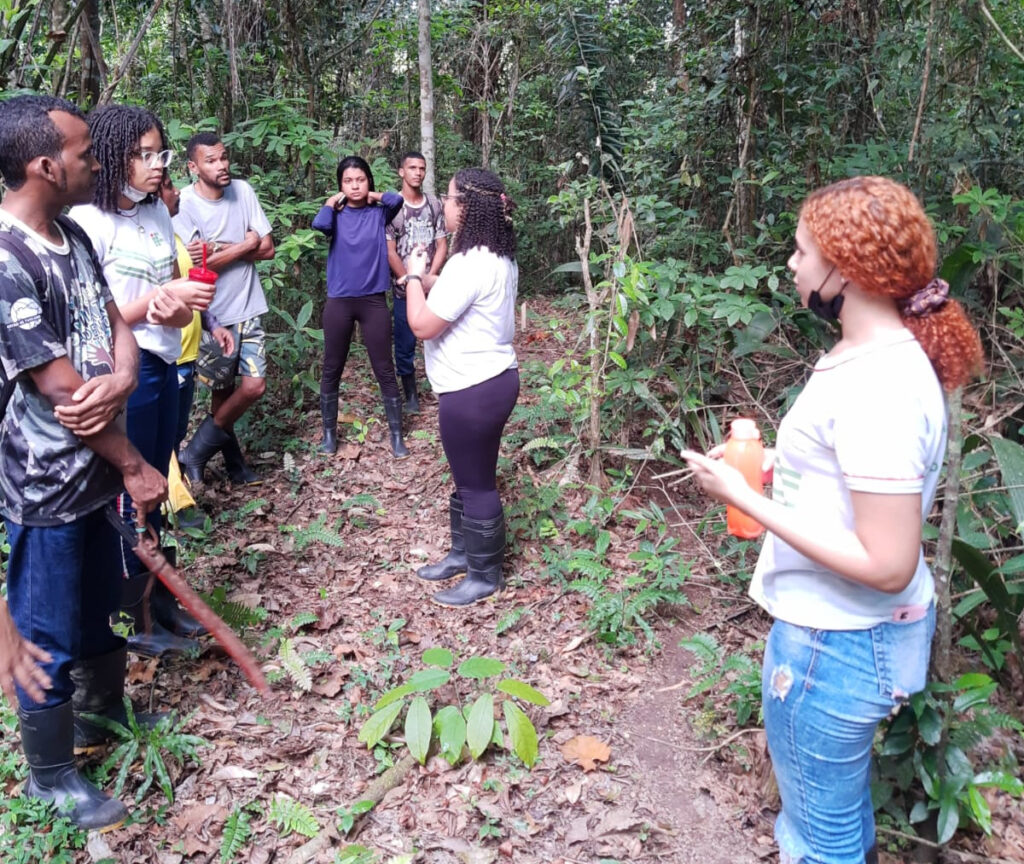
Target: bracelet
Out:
[414,276]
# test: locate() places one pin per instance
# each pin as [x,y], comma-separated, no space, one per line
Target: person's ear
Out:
[45,168]
[192,167]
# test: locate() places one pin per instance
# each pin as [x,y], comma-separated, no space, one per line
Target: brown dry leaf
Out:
[349,450]
[332,684]
[586,751]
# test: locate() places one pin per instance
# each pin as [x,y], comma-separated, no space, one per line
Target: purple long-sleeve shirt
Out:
[357,261]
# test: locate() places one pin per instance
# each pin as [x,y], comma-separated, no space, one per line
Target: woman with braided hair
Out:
[131,233]
[856,465]
[467,324]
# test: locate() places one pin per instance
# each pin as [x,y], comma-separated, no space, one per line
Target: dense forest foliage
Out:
[658,152]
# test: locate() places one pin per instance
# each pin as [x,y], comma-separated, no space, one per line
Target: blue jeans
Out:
[63,583]
[405,341]
[152,425]
[186,393]
[824,694]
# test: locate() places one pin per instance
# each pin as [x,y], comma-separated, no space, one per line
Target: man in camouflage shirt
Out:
[64,456]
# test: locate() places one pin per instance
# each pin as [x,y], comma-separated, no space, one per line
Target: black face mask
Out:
[826,310]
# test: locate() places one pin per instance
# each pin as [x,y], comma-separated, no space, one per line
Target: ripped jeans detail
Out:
[824,693]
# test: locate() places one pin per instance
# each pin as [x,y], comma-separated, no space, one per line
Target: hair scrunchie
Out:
[926,300]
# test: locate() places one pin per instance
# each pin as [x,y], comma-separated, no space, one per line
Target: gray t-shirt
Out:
[239,294]
[47,475]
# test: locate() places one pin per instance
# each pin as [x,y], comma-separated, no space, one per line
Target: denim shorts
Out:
[249,359]
[824,694]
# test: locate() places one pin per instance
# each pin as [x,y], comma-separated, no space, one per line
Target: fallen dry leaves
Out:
[586,751]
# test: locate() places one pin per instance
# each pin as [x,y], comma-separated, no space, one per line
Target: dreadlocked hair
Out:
[877,234]
[116,131]
[486,213]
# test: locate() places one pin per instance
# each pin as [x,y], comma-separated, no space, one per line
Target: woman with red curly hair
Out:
[857,460]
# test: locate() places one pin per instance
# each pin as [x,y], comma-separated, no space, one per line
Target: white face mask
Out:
[133,194]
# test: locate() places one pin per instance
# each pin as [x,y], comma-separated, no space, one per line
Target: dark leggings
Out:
[472,421]
[340,316]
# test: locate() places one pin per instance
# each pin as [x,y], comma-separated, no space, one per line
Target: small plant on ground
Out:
[291,816]
[931,742]
[149,745]
[461,723]
[734,676]
[32,830]
[237,831]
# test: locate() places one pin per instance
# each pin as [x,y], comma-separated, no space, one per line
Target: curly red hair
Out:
[877,234]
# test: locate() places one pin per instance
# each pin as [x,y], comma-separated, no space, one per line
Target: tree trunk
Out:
[92,69]
[426,94]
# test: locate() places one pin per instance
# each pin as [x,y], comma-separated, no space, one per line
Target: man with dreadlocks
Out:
[131,232]
[225,215]
[68,361]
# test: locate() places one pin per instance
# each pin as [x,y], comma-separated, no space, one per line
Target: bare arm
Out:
[881,552]
[423,323]
[265,251]
[440,254]
[227,253]
[99,400]
[395,260]
[58,381]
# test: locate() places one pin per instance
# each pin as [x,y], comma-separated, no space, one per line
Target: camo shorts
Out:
[218,371]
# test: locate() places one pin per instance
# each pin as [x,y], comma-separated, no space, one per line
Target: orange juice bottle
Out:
[744,452]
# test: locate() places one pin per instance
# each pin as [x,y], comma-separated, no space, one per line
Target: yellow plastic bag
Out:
[178,493]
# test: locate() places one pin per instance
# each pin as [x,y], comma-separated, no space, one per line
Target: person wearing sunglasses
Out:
[131,232]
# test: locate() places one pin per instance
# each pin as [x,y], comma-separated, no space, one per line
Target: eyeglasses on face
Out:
[152,159]
[444,196]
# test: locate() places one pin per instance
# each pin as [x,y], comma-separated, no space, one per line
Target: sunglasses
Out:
[152,159]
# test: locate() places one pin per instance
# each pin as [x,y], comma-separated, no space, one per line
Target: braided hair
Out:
[116,132]
[486,213]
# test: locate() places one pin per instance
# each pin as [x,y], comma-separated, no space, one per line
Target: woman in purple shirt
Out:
[358,279]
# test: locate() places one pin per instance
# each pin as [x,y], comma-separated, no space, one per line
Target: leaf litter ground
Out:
[328,548]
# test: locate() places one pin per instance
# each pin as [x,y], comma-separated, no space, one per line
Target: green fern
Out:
[250,507]
[235,615]
[509,619]
[301,620]
[315,532]
[236,834]
[363,499]
[291,816]
[294,665]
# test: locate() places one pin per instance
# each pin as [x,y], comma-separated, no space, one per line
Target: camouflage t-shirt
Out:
[422,225]
[47,475]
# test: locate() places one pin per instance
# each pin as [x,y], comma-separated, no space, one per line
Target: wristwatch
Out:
[216,247]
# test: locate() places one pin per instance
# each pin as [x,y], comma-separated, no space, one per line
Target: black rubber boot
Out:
[207,441]
[47,737]
[149,637]
[485,552]
[99,689]
[871,856]
[412,401]
[393,411]
[454,562]
[238,472]
[167,609]
[329,415]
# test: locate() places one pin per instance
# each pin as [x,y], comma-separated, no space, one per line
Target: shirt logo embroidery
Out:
[26,313]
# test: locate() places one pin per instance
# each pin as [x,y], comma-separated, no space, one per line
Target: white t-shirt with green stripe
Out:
[136,250]
[871,419]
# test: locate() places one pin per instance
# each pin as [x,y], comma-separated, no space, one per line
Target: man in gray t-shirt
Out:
[225,216]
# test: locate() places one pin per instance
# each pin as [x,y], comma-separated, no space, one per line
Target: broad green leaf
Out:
[930,726]
[980,809]
[919,813]
[428,679]
[393,695]
[522,690]
[1010,456]
[418,728]
[984,573]
[438,657]
[481,722]
[379,724]
[949,818]
[450,727]
[522,733]
[480,667]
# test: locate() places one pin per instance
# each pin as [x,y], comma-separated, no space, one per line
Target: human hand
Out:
[718,480]
[98,401]
[417,262]
[168,308]
[147,488]
[195,251]
[196,295]
[19,662]
[225,340]
[335,201]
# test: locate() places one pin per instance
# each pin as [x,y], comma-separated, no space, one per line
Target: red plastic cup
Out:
[202,274]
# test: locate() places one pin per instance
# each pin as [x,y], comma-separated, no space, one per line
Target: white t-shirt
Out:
[135,248]
[476,291]
[872,419]
[239,294]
